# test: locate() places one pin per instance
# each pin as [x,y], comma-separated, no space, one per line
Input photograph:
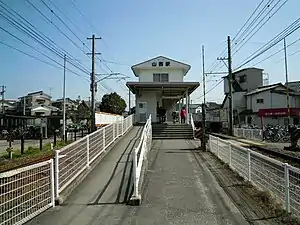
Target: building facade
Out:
[160,84]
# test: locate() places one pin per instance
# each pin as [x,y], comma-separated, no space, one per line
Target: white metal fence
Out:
[75,158]
[26,192]
[281,179]
[193,125]
[252,134]
[139,155]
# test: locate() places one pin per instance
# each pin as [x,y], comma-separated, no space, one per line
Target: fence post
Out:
[56,171]
[87,151]
[252,135]
[209,139]
[114,135]
[249,164]
[243,132]
[135,185]
[52,183]
[103,138]
[229,148]
[218,154]
[287,187]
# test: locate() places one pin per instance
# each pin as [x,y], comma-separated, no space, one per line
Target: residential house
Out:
[70,104]
[160,83]
[7,106]
[270,103]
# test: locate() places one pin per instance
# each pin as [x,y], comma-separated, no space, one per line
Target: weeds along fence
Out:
[268,174]
[28,191]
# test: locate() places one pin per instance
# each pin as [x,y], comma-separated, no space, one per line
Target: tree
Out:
[113,103]
[83,111]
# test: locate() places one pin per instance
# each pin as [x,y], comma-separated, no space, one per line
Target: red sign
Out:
[279,112]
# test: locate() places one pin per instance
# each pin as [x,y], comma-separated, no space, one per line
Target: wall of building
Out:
[175,75]
[254,79]
[151,99]
[271,100]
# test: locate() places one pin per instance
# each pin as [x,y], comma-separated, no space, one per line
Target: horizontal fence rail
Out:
[72,160]
[252,134]
[139,155]
[26,192]
[268,174]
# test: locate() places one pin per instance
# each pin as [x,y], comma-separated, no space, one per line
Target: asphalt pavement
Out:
[177,191]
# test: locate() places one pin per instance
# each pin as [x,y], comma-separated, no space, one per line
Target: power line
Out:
[279,37]
[30,30]
[34,57]
[261,24]
[275,53]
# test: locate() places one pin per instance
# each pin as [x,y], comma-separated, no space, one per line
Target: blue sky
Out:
[135,31]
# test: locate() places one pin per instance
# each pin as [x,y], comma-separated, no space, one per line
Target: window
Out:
[156,77]
[141,105]
[243,79]
[161,64]
[160,77]
[164,77]
[259,101]
[154,64]
[167,63]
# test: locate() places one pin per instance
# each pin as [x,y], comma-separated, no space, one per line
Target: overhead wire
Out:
[34,35]
[279,37]
[275,53]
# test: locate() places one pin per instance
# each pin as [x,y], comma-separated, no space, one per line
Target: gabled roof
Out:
[265,88]
[148,64]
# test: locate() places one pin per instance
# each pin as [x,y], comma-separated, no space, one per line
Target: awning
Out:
[278,112]
[170,89]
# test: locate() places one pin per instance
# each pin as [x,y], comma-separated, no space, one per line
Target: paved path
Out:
[100,197]
[178,190]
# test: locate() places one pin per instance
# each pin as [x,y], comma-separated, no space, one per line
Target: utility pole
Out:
[129,100]
[230,87]
[230,80]
[287,82]
[2,94]
[203,143]
[93,84]
[64,99]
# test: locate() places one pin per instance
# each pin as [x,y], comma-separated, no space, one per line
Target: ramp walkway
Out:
[178,189]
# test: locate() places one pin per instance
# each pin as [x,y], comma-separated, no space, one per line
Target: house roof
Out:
[265,88]
[242,70]
[38,93]
[148,65]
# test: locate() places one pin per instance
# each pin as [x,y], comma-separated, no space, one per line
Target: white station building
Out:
[160,83]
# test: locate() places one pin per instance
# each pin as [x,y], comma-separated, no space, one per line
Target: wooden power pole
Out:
[2,95]
[230,131]
[93,84]
[203,142]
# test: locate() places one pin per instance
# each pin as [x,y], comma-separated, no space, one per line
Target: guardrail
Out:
[26,192]
[74,159]
[107,118]
[280,179]
[139,155]
[193,125]
[253,134]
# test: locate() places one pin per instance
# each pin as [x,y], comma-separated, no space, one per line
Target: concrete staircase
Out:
[172,131]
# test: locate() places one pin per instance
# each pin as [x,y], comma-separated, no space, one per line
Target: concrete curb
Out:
[65,193]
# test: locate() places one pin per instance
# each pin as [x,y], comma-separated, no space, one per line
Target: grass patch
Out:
[31,155]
